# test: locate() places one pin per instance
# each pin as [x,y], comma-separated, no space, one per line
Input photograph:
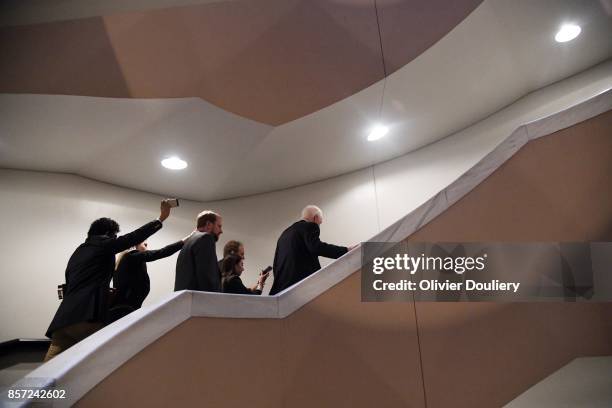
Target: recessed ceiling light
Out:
[567,33]
[174,163]
[377,132]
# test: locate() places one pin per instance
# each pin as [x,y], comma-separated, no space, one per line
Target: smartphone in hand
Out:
[173,202]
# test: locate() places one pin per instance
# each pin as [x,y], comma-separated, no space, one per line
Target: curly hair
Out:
[103,226]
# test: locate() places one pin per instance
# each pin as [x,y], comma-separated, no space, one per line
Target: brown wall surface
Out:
[337,351]
[272,61]
[557,188]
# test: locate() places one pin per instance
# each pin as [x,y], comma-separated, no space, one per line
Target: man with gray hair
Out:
[196,265]
[298,250]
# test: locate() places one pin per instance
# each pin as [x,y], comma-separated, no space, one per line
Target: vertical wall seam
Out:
[416,320]
[382,98]
[384,64]
[376,197]
[382,53]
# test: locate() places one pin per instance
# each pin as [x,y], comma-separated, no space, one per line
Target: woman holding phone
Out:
[233,266]
[131,278]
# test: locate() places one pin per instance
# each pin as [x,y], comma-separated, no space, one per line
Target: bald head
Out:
[312,213]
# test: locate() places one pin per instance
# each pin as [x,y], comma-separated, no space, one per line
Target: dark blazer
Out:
[196,266]
[234,284]
[297,254]
[88,276]
[131,278]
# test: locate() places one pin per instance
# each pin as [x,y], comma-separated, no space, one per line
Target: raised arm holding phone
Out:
[84,307]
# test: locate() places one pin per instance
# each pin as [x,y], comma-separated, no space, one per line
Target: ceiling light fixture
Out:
[377,132]
[174,163]
[567,32]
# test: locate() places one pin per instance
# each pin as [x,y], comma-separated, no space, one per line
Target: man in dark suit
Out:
[298,250]
[197,267]
[84,308]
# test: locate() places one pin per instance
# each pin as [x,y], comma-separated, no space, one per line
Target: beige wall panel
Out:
[71,58]
[336,351]
[340,352]
[203,362]
[484,355]
[557,188]
[272,61]
[408,27]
